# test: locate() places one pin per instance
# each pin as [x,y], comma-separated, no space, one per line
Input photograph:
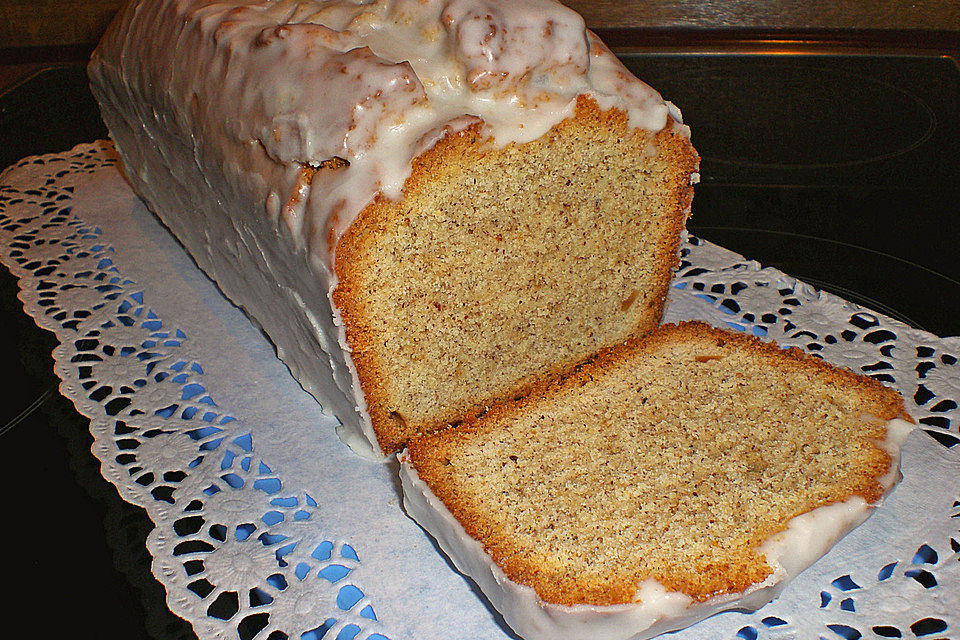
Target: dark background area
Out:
[841,170]
[76,552]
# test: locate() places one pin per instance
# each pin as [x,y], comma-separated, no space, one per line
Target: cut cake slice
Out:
[503,267]
[687,472]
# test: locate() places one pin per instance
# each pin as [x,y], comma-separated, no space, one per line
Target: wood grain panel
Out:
[33,23]
[41,23]
[934,15]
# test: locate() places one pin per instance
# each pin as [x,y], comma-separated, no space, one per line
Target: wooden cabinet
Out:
[38,23]
[32,23]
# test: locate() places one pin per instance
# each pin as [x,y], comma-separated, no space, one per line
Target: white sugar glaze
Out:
[299,82]
[656,610]
[235,121]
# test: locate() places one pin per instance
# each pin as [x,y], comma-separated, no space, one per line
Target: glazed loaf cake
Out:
[690,471]
[429,206]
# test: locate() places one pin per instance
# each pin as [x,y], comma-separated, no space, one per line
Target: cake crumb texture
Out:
[672,458]
[500,267]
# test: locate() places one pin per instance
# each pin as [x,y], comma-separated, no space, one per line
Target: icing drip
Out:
[370,85]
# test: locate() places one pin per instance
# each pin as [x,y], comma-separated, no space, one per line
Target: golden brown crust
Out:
[447,157]
[735,567]
[392,431]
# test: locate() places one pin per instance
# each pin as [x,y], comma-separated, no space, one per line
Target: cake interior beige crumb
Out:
[672,459]
[501,266]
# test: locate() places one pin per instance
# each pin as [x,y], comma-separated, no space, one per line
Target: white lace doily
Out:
[267,527]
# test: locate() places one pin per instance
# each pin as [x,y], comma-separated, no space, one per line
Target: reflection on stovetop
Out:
[843,171]
[802,117]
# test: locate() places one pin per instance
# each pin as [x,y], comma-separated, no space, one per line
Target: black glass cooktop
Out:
[841,170]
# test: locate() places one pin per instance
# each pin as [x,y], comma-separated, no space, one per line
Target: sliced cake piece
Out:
[502,267]
[686,472]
